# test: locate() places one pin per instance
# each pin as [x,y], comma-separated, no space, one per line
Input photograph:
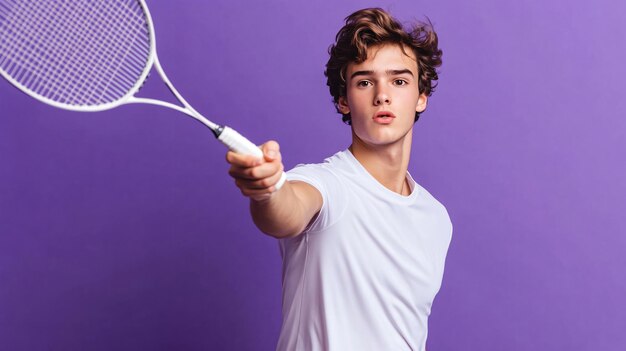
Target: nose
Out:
[381,98]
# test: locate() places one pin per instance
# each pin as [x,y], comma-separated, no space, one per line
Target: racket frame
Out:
[226,135]
[129,97]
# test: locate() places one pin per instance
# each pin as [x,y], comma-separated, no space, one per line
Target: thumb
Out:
[271,151]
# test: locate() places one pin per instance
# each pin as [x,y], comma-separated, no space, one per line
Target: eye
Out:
[364,83]
[400,82]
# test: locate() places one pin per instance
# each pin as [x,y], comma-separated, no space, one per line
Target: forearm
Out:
[285,213]
[279,213]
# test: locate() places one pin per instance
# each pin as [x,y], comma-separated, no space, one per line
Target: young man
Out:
[363,244]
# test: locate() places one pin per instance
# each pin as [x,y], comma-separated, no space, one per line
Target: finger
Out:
[271,151]
[242,160]
[259,172]
[268,183]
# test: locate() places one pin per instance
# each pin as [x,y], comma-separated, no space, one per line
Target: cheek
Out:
[356,100]
[411,104]
[360,94]
[360,124]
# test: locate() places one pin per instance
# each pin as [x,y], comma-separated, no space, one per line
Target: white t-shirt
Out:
[364,273]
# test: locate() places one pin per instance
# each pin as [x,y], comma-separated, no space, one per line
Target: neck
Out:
[388,164]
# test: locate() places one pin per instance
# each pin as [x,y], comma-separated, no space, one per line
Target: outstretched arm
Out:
[280,213]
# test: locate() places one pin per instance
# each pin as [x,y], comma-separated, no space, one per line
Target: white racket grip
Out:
[239,144]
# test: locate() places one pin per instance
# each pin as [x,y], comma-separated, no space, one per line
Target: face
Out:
[382,96]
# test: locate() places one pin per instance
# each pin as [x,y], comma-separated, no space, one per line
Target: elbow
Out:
[280,233]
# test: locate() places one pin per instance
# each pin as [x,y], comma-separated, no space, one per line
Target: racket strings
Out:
[74,52]
[25,61]
[43,73]
[90,61]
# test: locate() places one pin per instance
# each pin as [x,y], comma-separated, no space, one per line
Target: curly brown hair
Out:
[374,26]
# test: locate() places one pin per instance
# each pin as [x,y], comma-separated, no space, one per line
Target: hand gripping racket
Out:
[90,55]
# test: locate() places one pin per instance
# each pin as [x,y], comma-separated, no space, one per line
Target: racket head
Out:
[76,55]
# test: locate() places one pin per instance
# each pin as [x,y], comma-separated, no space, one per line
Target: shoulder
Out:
[322,174]
[329,179]
[437,210]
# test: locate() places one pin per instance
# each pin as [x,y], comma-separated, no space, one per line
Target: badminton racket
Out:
[89,55]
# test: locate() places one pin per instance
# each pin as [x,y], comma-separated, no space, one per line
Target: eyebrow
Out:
[389,72]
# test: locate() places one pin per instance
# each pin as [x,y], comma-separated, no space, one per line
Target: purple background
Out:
[121,230]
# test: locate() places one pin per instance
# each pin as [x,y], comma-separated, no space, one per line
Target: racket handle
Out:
[239,144]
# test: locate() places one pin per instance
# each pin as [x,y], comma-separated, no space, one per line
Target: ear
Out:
[422,101]
[343,105]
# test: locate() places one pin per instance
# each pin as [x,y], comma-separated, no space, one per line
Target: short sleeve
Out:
[328,183]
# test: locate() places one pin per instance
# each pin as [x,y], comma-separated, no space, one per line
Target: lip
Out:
[384,117]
